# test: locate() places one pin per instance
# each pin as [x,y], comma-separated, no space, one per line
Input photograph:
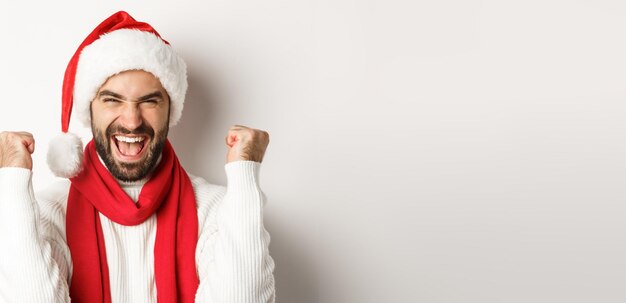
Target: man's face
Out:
[130,121]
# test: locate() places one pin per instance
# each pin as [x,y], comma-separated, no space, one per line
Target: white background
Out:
[420,151]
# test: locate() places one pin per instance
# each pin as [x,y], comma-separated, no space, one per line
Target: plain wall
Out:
[420,151]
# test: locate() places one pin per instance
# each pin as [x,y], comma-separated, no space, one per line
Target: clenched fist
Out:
[16,148]
[246,143]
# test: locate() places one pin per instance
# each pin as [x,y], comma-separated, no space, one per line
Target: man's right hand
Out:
[16,148]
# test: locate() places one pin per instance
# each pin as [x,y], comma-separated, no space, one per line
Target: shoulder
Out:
[208,195]
[52,202]
[54,195]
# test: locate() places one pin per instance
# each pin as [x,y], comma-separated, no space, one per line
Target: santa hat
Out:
[118,44]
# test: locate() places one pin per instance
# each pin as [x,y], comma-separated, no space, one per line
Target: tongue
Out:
[129,149]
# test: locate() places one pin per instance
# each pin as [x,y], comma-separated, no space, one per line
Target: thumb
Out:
[31,146]
[29,143]
[231,140]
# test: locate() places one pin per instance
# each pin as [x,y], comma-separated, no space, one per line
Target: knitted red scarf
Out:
[168,192]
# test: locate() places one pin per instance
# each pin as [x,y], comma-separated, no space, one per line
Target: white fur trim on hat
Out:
[128,49]
[65,155]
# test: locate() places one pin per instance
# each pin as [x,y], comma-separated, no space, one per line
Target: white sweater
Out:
[232,256]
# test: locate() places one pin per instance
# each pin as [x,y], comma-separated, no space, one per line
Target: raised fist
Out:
[246,143]
[16,148]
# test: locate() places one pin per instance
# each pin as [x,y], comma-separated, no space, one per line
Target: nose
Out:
[130,117]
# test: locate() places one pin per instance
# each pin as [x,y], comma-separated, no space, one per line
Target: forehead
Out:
[132,83]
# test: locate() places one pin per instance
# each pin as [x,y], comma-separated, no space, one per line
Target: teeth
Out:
[129,139]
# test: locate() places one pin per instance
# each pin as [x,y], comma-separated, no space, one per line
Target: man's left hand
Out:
[246,143]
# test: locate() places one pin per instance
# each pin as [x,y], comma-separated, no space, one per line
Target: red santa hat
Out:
[118,44]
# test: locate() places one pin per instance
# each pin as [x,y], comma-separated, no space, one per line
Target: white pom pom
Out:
[65,155]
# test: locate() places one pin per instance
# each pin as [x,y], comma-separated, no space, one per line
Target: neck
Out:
[134,183]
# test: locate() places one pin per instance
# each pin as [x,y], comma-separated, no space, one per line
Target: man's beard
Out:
[130,171]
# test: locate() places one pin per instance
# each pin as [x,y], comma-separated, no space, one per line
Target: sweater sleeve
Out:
[234,264]
[33,258]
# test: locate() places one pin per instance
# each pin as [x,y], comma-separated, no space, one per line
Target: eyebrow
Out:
[118,96]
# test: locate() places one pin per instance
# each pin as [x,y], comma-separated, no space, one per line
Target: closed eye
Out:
[111,100]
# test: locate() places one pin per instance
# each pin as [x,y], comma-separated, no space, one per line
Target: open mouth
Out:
[129,148]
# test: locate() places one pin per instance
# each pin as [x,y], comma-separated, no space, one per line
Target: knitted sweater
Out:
[232,257]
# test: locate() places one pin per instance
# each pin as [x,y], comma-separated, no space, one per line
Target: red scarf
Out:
[168,192]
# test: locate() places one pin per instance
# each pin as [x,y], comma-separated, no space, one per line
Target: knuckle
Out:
[263,135]
[11,136]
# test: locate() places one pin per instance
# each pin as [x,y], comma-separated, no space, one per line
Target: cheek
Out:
[100,116]
[102,121]
[156,119]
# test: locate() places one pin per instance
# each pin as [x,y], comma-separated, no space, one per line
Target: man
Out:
[129,224]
